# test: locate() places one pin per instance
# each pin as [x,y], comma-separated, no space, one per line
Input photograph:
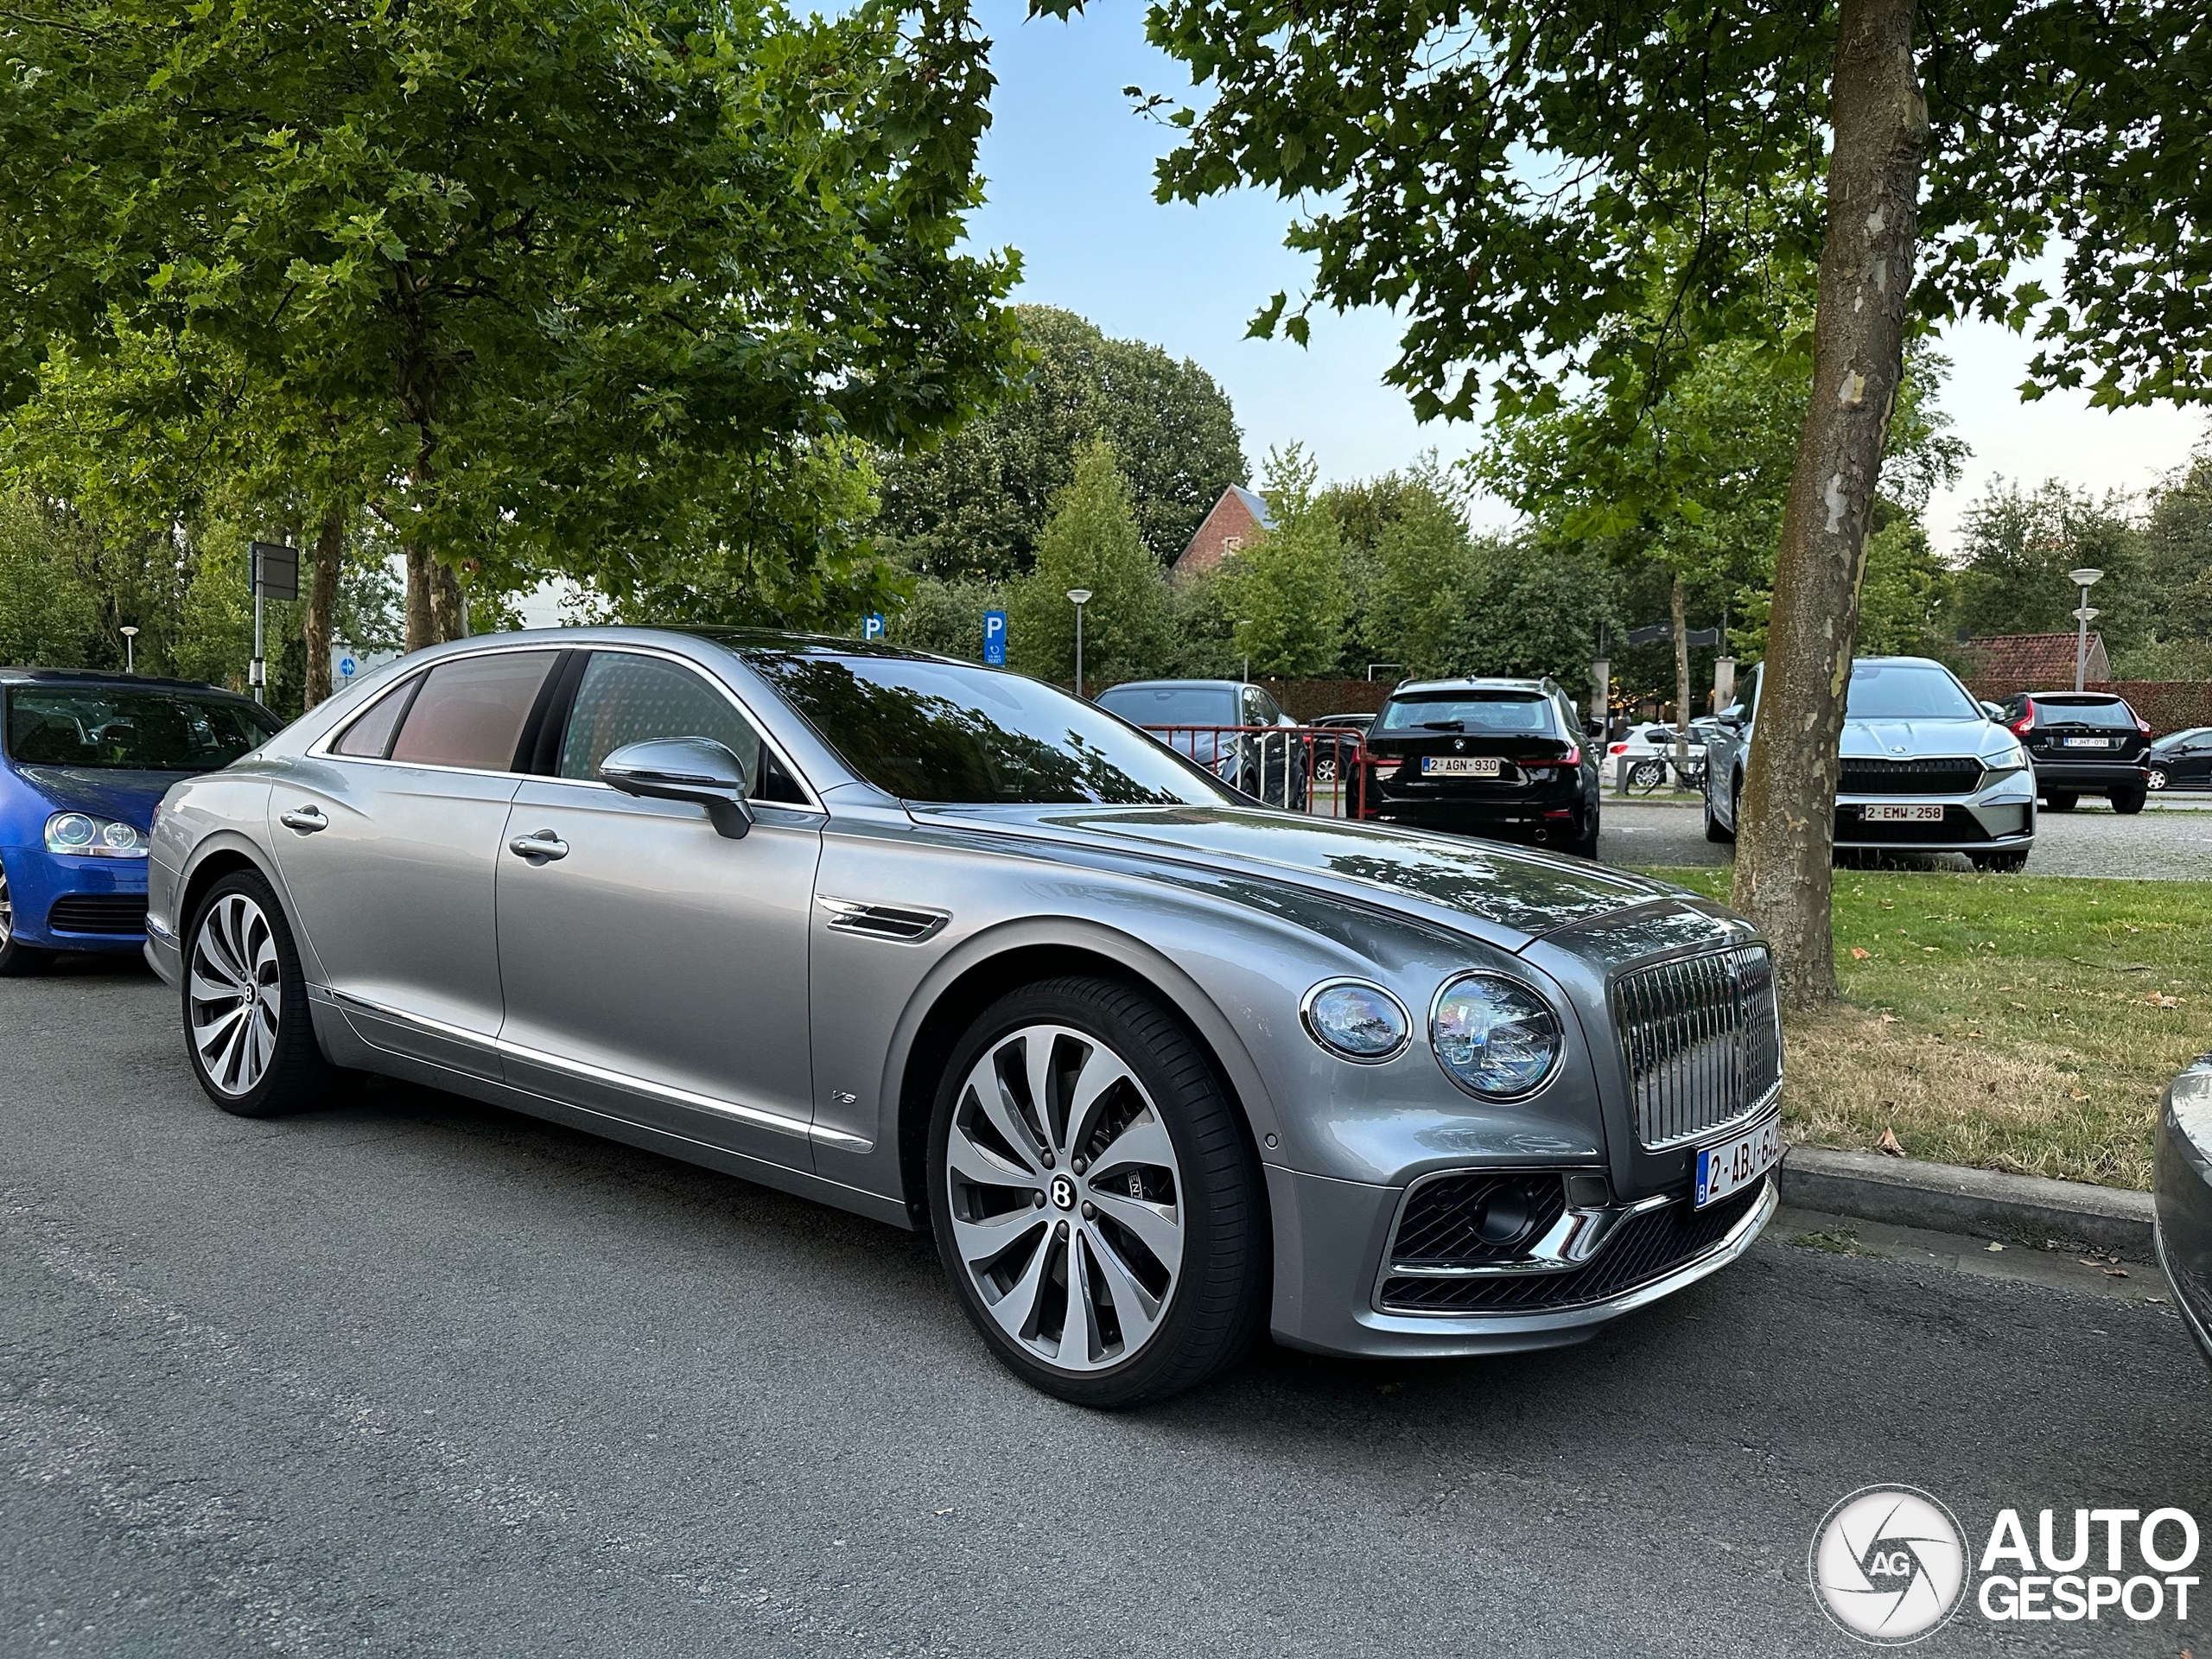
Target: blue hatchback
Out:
[84,759]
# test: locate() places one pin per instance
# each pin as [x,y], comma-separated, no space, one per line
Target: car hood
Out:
[128,796]
[1888,739]
[1513,891]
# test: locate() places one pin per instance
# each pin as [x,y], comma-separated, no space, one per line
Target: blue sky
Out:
[1069,182]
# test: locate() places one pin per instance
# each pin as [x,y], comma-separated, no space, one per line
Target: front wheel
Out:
[1714,829]
[1095,1199]
[2156,780]
[17,959]
[246,1024]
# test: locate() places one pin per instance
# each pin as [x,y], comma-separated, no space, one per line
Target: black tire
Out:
[2061,800]
[17,960]
[2000,863]
[1647,774]
[1586,844]
[1715,830]
[2157,779]
[295,1074]
[1218,1300]
[2128,801]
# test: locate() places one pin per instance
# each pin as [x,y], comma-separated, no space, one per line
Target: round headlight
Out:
[120,836]
[1354,1020]
[68,831]
[1495,1036]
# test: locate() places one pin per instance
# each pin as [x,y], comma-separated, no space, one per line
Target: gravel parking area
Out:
[2168,841]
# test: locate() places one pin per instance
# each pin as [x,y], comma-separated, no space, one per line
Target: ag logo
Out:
[1889,1565]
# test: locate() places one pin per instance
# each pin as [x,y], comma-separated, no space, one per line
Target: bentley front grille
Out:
[1702,1039]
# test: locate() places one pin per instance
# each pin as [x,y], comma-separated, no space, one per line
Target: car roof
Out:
[105,677]
[1417,688]
[1177,685]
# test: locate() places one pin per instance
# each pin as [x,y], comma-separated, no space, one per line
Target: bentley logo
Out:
[1062,1192]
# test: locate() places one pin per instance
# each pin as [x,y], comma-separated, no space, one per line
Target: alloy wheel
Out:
[237,995]
[1064,1196]
[7,913]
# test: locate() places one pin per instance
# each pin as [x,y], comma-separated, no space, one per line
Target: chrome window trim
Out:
[1559,1060]
[798,1128]
[1306,1019]
[321,749]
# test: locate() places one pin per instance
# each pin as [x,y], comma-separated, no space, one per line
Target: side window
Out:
[1250,712]
[1270,711]
[369,735]
[624,697]
[470,711]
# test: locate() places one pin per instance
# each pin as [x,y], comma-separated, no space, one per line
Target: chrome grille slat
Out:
[1701,1040]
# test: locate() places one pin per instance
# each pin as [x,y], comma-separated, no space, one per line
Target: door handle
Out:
[305,819]
[539,847]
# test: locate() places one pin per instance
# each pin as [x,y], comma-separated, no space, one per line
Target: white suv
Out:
[1924,769]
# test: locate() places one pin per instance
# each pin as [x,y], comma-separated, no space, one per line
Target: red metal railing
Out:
[1315,769]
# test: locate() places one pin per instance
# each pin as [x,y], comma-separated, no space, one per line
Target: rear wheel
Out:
[246,1024]
[1096,1200]
[1647,774]
[16,959]
[2127,800]
[2061,800]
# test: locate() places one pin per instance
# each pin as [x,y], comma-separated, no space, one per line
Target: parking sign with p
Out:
[994,638]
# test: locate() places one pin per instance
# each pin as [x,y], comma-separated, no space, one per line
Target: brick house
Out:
[1240,516]
[2032,662]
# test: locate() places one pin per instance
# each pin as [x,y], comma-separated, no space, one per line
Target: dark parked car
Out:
[1190,715]
[2184,1196]
[2084,743]
[2181,761]
[87,757]
[1501,758]
[1332,756]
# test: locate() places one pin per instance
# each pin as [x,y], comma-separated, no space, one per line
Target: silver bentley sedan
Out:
[1156,1065]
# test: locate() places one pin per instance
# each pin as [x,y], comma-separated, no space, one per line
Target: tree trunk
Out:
[1786,830]
[421,579]
[322,602]
[1681,678]
[446,605]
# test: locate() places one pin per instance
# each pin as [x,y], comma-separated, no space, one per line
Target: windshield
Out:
[2089,711]
[129,729]
[1907,691]
[947,733]
[1507,713]
[1171,705]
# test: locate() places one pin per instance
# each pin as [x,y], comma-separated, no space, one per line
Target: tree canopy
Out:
[977,506]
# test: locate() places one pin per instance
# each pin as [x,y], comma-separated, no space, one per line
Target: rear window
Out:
[1504,714]
[470,712]
[127,728]
[2084,711]
[1171,705]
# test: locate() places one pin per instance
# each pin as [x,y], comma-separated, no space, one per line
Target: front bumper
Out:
[2182,1191]
[1330,1240]
[1998,819]
[68,903]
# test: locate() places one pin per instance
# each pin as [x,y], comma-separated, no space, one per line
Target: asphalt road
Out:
[410,1376]
[2168,841]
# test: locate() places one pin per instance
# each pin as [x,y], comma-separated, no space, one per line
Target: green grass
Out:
[2014,1022]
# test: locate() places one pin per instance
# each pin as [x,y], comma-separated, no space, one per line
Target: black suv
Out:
[1502,758]
[2084,743]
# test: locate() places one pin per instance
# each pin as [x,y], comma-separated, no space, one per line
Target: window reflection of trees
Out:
[922,746]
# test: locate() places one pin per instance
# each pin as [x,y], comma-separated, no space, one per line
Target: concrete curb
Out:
[1943,1198]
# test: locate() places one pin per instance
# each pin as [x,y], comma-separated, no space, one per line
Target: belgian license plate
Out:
[1459,765]
[1902,814]
[1734,1164]
[2085,743]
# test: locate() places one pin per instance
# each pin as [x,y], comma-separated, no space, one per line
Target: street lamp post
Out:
[2084,580]
[130,651]
[1081,597]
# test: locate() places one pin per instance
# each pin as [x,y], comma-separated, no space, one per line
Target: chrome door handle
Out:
[539,846]
[305,819]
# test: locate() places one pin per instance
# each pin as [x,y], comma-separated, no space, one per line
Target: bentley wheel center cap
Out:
[1062,1192]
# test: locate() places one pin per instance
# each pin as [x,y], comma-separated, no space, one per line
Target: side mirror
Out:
[1731,717]
[695,769]
[1593,727]
[1995,711]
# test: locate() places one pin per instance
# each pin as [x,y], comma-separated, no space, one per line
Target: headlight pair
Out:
[1494,1036]
[87,836]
